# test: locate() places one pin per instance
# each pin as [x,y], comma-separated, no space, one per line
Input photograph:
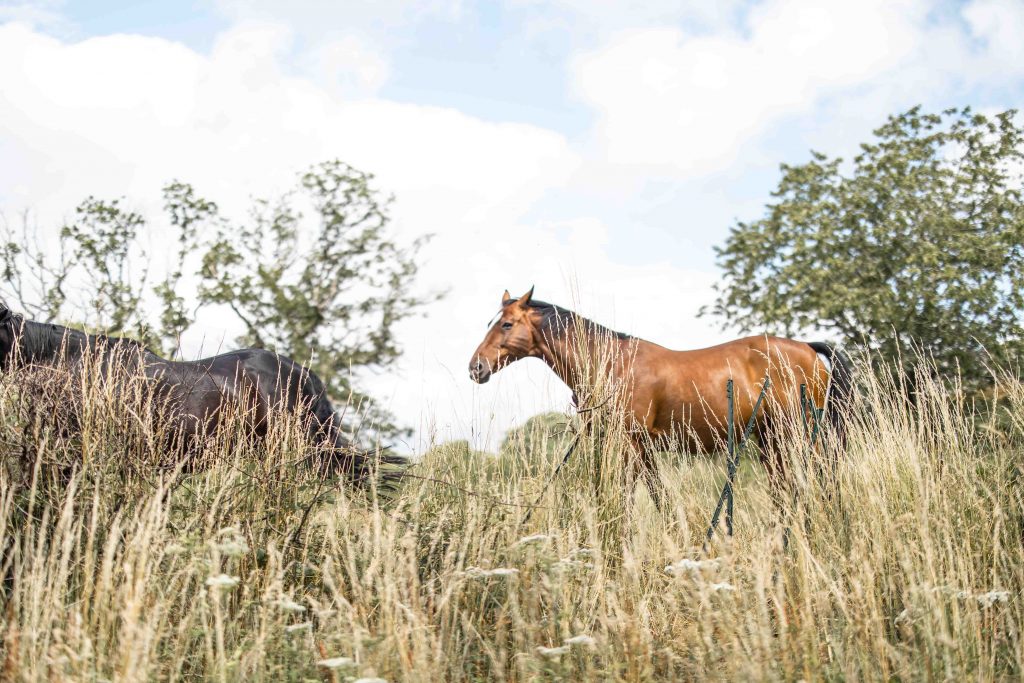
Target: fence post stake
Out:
[734,444]
[803,407]
[732,458]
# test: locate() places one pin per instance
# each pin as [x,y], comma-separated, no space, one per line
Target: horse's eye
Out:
[506,326]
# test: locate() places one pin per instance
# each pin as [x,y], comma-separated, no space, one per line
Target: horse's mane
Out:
[47,340]
[122,341]
[554,319]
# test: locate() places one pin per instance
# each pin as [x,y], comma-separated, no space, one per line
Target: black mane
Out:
[554,319]
[46,341]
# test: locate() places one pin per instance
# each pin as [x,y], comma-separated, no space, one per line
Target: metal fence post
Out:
[727,496]
[733,457]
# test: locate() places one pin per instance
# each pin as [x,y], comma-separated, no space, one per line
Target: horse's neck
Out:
[45,342]
[49,343]
[586,355]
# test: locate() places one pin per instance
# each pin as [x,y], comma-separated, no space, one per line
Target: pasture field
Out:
[118,567]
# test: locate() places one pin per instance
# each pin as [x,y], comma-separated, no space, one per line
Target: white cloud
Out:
[138,111]
[320,17]
[345,45]
[692,103]
[40,13]
[999,24]
[121,115]
[597,17]
[349,64]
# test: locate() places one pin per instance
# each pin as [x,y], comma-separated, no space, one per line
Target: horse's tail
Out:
[840,394]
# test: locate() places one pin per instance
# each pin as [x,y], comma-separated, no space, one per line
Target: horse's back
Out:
[742,360]
[273,378]
[787,363]
[690,386]
[251,360]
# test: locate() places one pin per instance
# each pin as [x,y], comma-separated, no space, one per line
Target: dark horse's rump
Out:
[197,396]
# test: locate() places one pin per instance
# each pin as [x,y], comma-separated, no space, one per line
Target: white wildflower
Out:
[289,605]
[582,552]
[962,595]
[686,565]
[336,662]
[902,617]
[724,586]
[231,542]
[234,547]
[478,573]
[552,651]
[175,549]
[222,581]
[304,626]
[568,563]
[992,597]
[584,640]
[535,538]
[502,571]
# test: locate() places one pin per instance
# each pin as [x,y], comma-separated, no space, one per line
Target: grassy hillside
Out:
[119,567]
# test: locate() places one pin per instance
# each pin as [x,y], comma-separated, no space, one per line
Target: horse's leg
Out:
[651,476]
[781,487]
[772,456]
[644,467]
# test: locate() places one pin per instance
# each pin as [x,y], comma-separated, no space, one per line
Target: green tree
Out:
[315,275]
[98,266]
[918,245]
[327,292]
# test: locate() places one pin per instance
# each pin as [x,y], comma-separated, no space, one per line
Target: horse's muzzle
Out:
[479,371]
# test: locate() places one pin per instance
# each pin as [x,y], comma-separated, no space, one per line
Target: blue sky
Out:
[596,149]
[194,24]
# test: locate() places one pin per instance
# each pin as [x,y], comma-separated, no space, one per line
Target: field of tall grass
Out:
[119,565]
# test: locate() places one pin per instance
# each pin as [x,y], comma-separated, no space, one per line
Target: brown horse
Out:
[668,393]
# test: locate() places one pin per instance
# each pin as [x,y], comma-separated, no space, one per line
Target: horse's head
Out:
[514,334]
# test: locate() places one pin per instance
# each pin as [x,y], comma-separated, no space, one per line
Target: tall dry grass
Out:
[119,566]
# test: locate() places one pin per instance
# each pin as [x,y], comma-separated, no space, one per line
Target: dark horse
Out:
[198,396]
[667,393]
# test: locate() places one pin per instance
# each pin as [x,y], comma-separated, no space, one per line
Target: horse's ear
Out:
[505,297]
[525,299]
